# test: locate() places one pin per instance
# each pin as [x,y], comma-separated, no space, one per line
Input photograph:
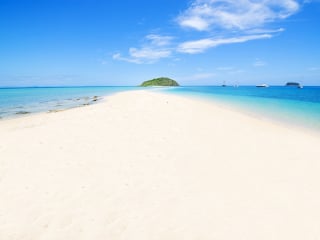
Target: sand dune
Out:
[143,165]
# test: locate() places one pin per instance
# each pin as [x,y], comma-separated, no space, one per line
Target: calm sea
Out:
[288,104]
[22,101]
[297,106]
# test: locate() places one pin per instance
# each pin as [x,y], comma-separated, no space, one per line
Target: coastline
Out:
[298,109]
[17,102]
[146,165]
[281,116]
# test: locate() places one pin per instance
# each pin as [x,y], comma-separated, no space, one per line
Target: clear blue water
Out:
[287,104]
[21,101]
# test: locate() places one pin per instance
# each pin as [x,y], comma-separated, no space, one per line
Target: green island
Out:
[162,81]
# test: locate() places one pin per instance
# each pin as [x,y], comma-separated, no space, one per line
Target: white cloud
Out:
[260,30]
[195,22]
[149,53]
[234,21]
[235,14]
[143,55]
[158,40]
[156,47]
[118,56]
[201,45]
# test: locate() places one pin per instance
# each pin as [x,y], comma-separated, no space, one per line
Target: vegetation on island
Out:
[162,81]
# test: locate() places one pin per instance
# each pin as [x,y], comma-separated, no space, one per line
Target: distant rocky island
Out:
[162,81]
[294,84]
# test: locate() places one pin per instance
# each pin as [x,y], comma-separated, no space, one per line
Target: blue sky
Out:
[125,42]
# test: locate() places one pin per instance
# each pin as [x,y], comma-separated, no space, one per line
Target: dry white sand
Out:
[147,166]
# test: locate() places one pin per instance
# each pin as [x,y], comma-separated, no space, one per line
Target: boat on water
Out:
[294,84]
[262,85]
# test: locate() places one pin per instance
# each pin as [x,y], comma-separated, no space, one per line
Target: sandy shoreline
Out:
[144,165]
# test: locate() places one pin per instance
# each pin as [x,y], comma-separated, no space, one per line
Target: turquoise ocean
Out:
[287,104]
[290,105]
[22,101]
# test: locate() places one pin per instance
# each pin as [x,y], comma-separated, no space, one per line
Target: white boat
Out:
[262,85]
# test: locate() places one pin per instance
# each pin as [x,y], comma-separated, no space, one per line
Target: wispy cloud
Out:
[204,15]
[155,48]
[261,30]
[158,40]
[149,53]
[234,21]
[201,45]
[118,56]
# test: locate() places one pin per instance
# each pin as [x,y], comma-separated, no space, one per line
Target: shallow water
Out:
[287,104]
[21,101]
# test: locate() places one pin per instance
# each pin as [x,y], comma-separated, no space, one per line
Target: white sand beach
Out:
[145,166]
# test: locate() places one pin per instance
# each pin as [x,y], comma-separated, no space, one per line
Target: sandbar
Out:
[144,165]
